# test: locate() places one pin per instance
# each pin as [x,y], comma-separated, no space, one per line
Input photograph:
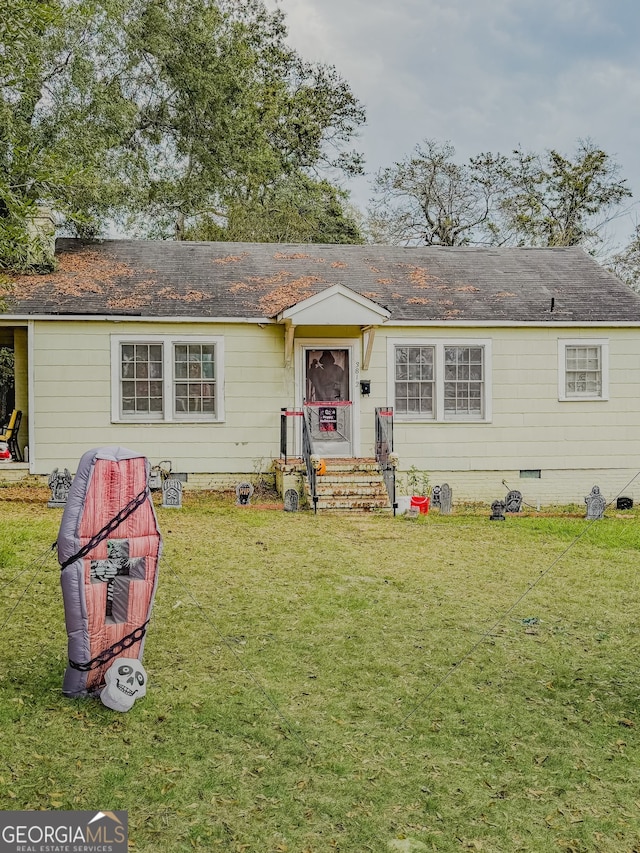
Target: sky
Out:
[485,75]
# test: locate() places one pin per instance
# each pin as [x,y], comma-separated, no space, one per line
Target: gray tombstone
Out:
[155,480]
[595,504]
[243,494]
[513,501]
[59,485]
[412,512]
[446,499]
[291,500]
[435,496]
[497,511]
[172,493]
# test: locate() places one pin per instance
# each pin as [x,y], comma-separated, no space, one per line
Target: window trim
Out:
[439,345]
[169,414]
[563,343]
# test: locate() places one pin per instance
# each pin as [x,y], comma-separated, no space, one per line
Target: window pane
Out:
[463,382]
[583,371]
[139,362]
[192,364]
[414,380]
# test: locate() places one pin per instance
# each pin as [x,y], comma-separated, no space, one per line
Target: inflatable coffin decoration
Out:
[108,547]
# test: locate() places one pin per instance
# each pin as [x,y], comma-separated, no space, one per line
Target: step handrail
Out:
[384,449]
[307,453]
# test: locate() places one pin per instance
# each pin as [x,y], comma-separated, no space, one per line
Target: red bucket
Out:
[421,503]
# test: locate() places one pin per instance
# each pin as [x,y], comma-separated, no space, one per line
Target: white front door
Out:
[327,370]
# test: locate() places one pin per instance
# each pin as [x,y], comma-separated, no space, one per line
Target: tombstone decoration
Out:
[291,500]
[59,485]
[624,503]
[497,511]
[513,501]
[412,512]
[155,480]
[125,681]
[243,494]
[172,493]
[595,504]
[446,499]
[435,496]
[109,548]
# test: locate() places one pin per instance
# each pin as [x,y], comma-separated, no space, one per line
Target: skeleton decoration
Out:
[108,546]
[125,681]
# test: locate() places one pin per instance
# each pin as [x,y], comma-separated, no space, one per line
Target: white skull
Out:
[125,681]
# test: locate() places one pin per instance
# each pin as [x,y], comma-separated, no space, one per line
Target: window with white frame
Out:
[463,383]
[414,380]
[445,380]
[165,378]
[583,369]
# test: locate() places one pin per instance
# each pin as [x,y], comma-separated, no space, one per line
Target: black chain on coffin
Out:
[112,652]
[109,527]
[135,636]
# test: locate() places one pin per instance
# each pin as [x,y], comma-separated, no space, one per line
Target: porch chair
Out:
[10,435]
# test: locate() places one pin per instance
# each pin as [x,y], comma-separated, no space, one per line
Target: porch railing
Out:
[384,449]
[285,427]
[307,453]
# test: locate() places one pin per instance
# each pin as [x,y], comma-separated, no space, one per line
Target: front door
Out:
[327,371]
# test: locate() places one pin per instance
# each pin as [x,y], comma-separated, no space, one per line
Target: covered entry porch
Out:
[14,388]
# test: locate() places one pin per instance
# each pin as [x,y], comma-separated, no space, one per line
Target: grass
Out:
[344,683]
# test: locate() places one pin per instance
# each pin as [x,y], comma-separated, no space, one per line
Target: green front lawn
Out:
[344,683]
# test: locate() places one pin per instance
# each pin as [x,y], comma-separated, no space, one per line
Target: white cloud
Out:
[487,75]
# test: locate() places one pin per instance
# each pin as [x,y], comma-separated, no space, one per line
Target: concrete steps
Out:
[354,485]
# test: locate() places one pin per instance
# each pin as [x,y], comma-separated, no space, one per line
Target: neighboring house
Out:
[514,365]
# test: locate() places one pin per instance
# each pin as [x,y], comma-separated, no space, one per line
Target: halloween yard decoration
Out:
[108,547]
[59,483]
[125,681]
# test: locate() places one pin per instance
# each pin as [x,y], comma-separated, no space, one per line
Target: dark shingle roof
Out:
[256,280]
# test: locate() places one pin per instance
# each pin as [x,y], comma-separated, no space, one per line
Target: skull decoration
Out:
[125,681]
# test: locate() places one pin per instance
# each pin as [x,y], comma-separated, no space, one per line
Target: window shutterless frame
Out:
[451,381]
[167,378]
[583,369]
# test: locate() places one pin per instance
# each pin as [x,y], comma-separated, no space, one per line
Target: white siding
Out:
[574,443]
[72,376]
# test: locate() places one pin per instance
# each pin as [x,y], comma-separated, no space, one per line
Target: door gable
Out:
[337,305]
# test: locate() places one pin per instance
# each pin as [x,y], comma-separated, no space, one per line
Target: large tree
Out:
[524,199]
[553,200]
[428,198]
[626,262]
[295,209]
[159,113]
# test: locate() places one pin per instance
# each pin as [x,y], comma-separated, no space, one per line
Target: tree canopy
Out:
[626,263]
[523,199]
[166,115]
[427,198]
